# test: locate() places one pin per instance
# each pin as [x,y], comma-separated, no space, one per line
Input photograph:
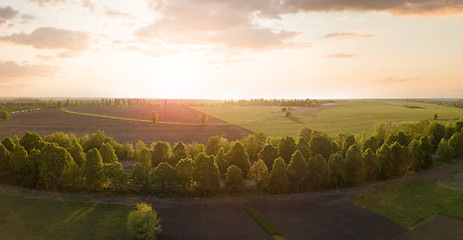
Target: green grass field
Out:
[354,116]
[413,203]
[22,218]
[264,223]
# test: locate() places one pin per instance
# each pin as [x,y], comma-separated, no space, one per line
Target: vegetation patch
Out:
[413,203]
[264,223]
[22,218]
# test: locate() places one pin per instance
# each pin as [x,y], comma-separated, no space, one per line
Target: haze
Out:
[231,49]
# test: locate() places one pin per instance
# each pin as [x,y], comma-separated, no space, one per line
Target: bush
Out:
[154,116]
[144,223]
[4,115]
[203,118]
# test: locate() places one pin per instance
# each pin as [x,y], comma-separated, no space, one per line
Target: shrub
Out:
[154,116]
[143,222]
[234,179]
[203,118]
[4,115]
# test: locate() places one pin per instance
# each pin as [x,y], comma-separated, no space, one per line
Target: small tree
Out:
[239,157]
[162,176]
[297,170]
[107,153]
[288,113]
[184,174]
[206,174]
[154,116]
[4,115]
[93,170]
[203,118]
[268,154]
[286,148]
[234,179]
[139,177]
[318,172]
[445,151]
[435,116]
[278,180]
[144,223]
[259,175]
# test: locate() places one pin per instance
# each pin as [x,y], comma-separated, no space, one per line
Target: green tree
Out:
[445,151]
[160,152]
[203,118]
[426,148]
[139,177]
[459,125]
[77,152]
[93,170]
[288,113]
[297,170]
[154,116]
[213,145]
[238,156]
[278,179]
[144,158]
[385,156]
[322,145]
[144,223]
[371,165]
[436,132]
[381,131]
[456,141]
[4,115]
[107,153]
[184,174]
[286,148]
[306,133]
[268,154]
[347,143]
[234,179]
[258,173]
[116,176]
[354,161]
[30,141]
[163,176]
[179,152]
[31,169]
[61,138]
[4,161]
[338,172]
[318,173]
[303,146]
[17,164]
[253,144]
[194,149]
[370,143]
[206,175]
[222,162]
[9,144]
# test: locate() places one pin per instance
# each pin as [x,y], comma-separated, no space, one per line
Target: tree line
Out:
[313,161]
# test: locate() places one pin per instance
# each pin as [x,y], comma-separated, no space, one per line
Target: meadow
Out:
[354,116]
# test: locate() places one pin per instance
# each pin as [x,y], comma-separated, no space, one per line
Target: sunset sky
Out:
[222,49]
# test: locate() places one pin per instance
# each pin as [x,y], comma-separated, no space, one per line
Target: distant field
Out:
[346,116]
[22,218]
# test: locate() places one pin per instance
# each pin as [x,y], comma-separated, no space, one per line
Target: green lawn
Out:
[413,203]
[264,223]
[353,116]
[22,218]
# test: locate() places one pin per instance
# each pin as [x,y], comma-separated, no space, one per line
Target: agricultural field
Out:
[354,116]
[47,121]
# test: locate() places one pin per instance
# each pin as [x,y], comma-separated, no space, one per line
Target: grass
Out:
[354,116]
[262,221]
[22,218]
[413,203]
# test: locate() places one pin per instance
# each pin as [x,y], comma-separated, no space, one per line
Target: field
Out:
[22,218]
[47,121]
[354,116]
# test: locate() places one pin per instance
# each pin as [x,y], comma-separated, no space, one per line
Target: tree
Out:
[206,175]
[268,154]
[222,162]
[288,113]
[234,179]
[17,164]
[144,223]
[184,174]
[238,156]
[303,146]
[179,152]
[154,116]
[286,148]
[322,145]
[4,115]
[139,177]
[30,141]
[258,173]
[370,143]
[93,170]
[426,148]
[318,172]
[278,179]
[347,143]
[9,144]
[354,161]
[77,152]
[297,170]
[107,153]
[203,118]
[57,169]
[436,132]
[160,152]
[253,143]
[381,131]
[445,151]
[371,164]
[306,133]
[116,176]
[162,176]
[385,156]
[337,166]
[4,161]
[459,125]
[213,145]
[144,158]
[435,116]
[456,141]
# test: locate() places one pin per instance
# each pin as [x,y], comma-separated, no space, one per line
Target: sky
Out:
[231,49]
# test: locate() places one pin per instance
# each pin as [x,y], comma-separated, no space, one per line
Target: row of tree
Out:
[315,161]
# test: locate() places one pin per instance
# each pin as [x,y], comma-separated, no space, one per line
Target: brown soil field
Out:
[47,121]
[169,113]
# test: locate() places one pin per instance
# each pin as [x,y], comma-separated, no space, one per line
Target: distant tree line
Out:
[312,162]
[274,102]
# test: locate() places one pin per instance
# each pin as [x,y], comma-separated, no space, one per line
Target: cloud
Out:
[114,13]
[340,55]
[398,7]
[9,71]
[347,35]
[51,38]
[89,4]
[8,12]
[48,2]
[397,80]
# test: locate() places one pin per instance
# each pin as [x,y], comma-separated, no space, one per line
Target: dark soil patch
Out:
[169,113]
[414,107]
[48,121]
